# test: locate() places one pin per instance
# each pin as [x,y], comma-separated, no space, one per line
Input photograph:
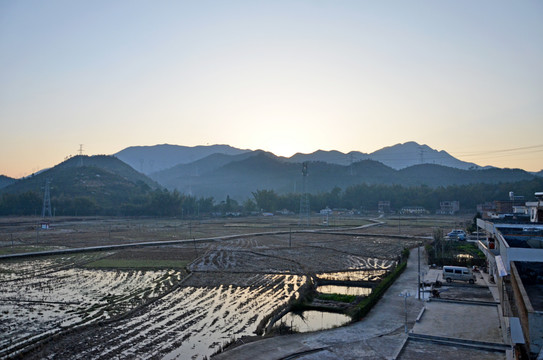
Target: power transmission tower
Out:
[46,210]
[80,154]
[421,153]
[304,199]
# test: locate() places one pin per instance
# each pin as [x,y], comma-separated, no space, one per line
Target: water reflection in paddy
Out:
[312,320]
[344,290]
[363,275]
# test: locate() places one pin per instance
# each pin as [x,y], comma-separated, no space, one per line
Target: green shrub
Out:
[337,297]
[365,305]
[405,254]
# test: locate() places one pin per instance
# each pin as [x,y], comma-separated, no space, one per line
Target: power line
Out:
[501,151]
[425,157]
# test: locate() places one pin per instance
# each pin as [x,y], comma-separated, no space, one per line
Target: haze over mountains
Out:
[239,175]
[107,185]
[150,159]
[221,170]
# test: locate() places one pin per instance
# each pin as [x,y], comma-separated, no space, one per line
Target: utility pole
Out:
[418,285]
[405,295]
[289,237]
[304,198]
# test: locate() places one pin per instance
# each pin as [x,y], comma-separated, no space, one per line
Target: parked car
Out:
[457,234]
[451,273]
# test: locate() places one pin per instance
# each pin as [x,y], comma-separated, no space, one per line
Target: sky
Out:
[284,76]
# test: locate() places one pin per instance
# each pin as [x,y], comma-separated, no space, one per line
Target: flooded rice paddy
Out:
[36,300]
[191,323]
[312,320]
[234,286]
[187,323]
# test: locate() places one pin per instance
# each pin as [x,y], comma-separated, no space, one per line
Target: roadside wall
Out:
[530,320]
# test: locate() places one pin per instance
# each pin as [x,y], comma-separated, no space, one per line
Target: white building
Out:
[515,261]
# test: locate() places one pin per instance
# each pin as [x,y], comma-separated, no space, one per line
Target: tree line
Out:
[362,197]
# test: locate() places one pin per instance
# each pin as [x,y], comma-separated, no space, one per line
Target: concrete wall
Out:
[535,320]
[530,320]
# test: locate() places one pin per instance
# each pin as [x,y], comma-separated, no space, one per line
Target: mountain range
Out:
[238,176]
[219,171]
[150,159]
[398,157]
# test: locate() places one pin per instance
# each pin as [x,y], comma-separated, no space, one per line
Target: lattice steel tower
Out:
[80,155]
[46,210]
[304,199]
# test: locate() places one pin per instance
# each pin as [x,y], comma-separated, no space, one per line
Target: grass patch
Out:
[137,264]
[337,297]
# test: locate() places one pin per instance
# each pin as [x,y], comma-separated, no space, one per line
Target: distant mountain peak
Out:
[150,159]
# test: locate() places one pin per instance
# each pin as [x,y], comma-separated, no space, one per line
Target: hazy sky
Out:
[284,76]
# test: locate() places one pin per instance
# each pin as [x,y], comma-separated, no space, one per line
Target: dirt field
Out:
[139,302]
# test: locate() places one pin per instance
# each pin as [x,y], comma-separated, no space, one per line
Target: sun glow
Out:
[284,149]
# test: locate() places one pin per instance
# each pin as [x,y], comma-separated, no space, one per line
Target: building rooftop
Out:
[522,235]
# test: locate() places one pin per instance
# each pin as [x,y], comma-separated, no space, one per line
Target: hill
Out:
[154,159]
[169,178]
[239,176]
[399,156]
[83,183]
[437,175]
[5,181]
[149,159]
[408,154]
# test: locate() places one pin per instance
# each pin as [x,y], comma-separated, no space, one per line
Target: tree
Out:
[249,206]
[266,200]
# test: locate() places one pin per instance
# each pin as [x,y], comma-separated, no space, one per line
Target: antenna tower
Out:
[46,210]
[304,199]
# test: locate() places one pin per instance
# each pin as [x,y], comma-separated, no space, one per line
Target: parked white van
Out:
[451,273]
